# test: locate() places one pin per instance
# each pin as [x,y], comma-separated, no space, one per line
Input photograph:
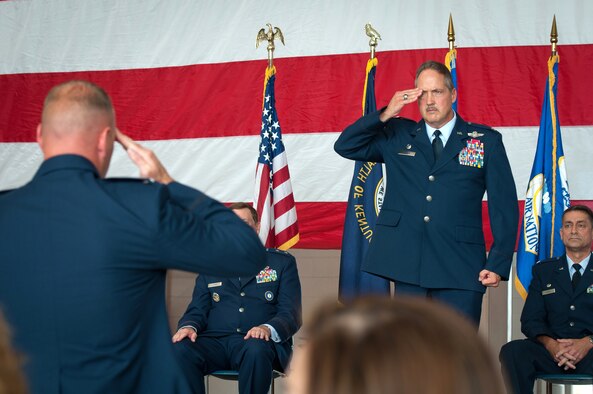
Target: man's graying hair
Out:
[438,67]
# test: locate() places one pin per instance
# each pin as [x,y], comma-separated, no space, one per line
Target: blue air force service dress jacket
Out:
[429,231]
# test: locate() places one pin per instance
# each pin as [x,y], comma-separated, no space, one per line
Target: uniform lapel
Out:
[235,281]
[422,142]
[246,279]
[586,279]
[563,276]
[454,144]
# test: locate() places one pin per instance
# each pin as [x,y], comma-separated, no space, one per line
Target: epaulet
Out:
[479,126]
[129,180]
[552,259]
[278,251]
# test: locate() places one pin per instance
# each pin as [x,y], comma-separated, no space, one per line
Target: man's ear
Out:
[103,142]
[39,135]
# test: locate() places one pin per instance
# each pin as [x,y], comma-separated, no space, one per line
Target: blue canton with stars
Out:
[271,142]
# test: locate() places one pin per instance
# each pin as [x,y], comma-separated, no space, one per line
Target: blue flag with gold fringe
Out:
[364,202]
[547,193]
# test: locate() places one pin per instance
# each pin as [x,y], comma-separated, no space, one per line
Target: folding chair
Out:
[234,375]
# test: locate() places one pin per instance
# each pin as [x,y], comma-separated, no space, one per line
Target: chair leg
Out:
[207,381]
[548,387]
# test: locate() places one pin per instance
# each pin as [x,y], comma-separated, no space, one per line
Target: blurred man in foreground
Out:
[83,259]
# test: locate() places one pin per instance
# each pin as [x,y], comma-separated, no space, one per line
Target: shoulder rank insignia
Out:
[475,134]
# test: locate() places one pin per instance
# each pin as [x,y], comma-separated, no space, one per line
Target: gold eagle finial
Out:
[270,36]
[374,35]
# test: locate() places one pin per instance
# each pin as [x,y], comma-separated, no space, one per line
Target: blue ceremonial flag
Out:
[547,193]
[451,63]
[364,202]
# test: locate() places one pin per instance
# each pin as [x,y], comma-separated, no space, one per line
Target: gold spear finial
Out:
[374,35]
[270,36]
[554,36]
[451,34]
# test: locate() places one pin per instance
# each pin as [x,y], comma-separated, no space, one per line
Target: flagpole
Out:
[273,196]
[554,36]
[373,42]
[451,58]
[451,34]
[554,42]
[367,185]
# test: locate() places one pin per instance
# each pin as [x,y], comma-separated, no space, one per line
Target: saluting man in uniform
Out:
[244,323]
[428,236]
[557,318]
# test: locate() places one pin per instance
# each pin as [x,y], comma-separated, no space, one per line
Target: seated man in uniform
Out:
[243,323]
[558,314]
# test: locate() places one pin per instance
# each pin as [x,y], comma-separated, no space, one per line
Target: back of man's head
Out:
[78,118]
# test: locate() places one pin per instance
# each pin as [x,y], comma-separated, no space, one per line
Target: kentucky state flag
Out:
[364,203]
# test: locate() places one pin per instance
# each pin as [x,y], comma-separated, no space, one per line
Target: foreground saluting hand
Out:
[145,159]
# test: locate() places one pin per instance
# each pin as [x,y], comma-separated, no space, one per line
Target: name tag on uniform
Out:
[550,291]
[407,153]
[215,284]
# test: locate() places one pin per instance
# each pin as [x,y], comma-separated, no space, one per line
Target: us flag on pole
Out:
[273,197]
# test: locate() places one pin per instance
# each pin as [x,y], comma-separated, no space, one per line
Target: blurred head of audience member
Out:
[12,380]
[392,346]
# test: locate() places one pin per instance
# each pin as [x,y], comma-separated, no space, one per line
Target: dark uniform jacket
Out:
[429,231]
[225,306]
[83,263]
[552,307]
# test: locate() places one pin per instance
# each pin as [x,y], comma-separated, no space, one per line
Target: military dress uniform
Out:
[429,231]
[83,264]
[553,309]
[223,310]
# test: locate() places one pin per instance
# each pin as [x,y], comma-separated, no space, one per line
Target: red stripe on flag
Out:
[287,234]
[280,176]
[264,187]
[193,101]
[283,206]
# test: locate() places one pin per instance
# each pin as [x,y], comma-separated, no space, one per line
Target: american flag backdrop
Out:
[273,197]
[186,81]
